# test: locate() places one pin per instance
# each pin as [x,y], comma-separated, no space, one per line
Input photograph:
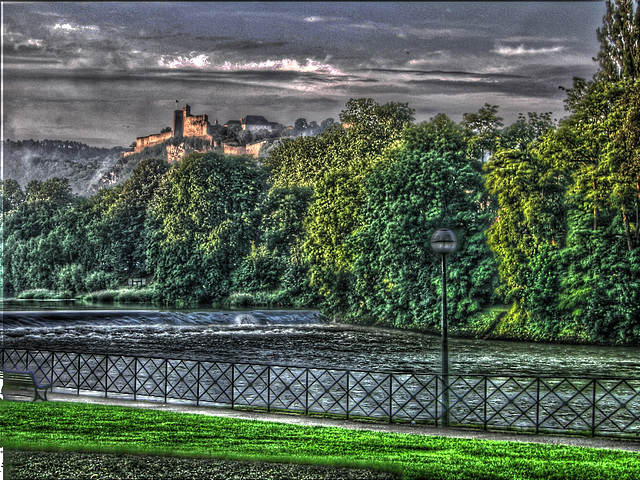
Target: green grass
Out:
[122,295]
[85,427]
[43,294]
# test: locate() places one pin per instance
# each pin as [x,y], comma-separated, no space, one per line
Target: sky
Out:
[104,73]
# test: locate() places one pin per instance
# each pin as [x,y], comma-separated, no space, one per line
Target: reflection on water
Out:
[300,338]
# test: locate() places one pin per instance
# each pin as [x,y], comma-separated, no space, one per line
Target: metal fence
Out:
[574,405]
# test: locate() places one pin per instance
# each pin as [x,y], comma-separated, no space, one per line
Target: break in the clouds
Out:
[522,50]
[287,64]
[105,73]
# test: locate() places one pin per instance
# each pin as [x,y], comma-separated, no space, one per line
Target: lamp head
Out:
[444,241]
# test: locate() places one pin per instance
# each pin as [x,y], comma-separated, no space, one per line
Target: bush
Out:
[96,281]
[106,296]
[123,295]
[43,294]
[132,295]
[70,278]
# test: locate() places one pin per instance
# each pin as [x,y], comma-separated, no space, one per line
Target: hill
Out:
[83,165]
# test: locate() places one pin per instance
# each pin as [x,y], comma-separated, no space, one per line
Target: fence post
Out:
[391,398]
[306,392]
[593,410]
[53,370]
[106,375]
[269,388]
[198,386]
[166,378]
[486,400]
[78,379]
[348,373]
[233,386]
[437,382]
[537,405]
[135,377]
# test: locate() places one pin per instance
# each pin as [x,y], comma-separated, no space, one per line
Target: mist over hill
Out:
[82,164]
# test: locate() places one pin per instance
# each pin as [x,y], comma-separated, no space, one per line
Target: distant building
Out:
[234,148]
[253,123]
[184,125]
[197,126]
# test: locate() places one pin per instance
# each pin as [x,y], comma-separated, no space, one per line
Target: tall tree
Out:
[11,194]
[339,194]
[426,181]
[484,129]
[530,225]
[619,37]
[201,225]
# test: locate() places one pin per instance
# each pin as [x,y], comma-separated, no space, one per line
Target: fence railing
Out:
[536,404]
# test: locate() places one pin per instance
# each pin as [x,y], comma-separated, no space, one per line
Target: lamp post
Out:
[444,241]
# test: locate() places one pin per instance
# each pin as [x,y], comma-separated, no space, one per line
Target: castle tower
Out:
[186,111]
[178,124]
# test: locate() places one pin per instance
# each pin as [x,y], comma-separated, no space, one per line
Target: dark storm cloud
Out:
[72,68]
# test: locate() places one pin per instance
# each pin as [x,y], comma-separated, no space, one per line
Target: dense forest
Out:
[547,215]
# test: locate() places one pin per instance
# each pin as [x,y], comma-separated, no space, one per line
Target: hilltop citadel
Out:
[186,125]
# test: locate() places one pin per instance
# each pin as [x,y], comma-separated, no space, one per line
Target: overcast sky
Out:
[105,73]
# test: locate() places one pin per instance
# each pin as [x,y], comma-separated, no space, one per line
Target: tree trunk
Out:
[595,207]
[637,235]
[627,229]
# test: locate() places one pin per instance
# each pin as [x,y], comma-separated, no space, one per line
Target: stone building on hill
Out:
[197,126]
[184,125]
[254,123]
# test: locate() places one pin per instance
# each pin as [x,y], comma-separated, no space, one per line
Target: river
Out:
[296,338]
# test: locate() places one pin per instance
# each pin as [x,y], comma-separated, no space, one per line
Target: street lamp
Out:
[444,241]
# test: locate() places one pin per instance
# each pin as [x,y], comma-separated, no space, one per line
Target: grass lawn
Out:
[99,428]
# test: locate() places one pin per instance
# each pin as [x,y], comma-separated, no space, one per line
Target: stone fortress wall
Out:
[184,125]
[197,126]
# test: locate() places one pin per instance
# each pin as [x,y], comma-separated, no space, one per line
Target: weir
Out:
[43,319]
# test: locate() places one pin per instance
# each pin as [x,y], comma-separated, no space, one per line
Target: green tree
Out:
[276,263]
[34,242]
[55,190]
[300,124]
[596,145]
[530,226]
[427,181]
[116,225]
[483,129]
[202,225]
[619,38]
[349,155]
[12,195]
[327,123]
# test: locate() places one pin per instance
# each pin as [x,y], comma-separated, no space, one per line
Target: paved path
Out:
[615,444]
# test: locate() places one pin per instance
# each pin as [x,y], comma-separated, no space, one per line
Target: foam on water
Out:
[68,318]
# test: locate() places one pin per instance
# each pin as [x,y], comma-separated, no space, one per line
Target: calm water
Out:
[298,338]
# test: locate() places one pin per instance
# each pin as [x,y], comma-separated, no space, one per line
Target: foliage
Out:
[619,38]
[11,194]
[275,269]
[427,182]
[202,224]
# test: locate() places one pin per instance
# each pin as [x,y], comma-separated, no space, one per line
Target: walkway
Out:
[614,444]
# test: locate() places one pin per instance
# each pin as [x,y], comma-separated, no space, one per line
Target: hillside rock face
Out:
[41,160]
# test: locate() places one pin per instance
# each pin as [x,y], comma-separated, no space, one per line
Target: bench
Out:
[21,381]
